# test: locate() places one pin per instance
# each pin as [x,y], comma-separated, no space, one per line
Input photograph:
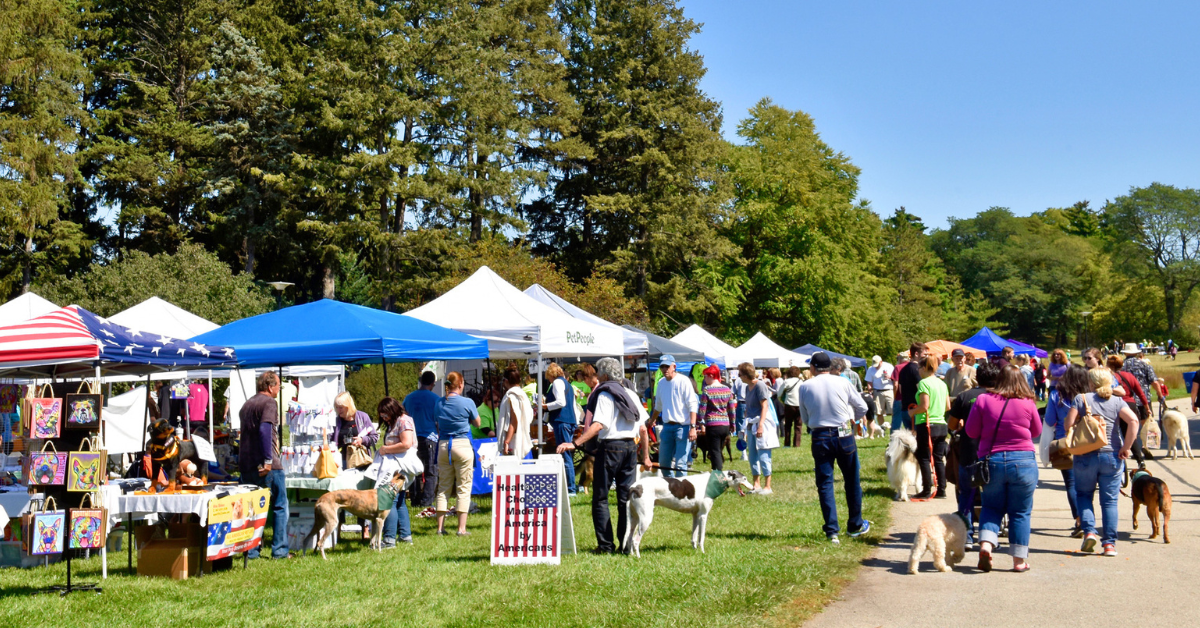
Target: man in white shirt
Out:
[620,424]
[879,382]
[676,402]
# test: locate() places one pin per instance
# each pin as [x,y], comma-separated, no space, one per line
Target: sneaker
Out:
[407,539]
[1089,543]
[940,495]
[866,527]
[1077,532]
[765,491]
[971,547]
[833,538]
[1109,549]
[389,544]
[920,497]
[427,513]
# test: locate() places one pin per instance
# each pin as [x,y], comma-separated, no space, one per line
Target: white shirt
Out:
[515,399]
[558,387]
[789,391]
[829,401]
[614,426]
[880,376]
[676,399]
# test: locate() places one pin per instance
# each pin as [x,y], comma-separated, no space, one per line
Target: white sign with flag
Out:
[530,508]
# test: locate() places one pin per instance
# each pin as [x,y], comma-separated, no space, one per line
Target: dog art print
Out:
[87,529]
[44,418]
[10,394]
[84,471]
[83,411]
[47,468]
[47,535]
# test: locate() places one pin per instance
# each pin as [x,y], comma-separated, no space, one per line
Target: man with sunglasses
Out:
[676,401]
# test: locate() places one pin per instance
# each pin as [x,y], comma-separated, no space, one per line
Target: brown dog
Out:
[584,474]
[363,504]
[1153,492]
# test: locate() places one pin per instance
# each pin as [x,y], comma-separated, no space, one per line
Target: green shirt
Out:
[583,389]
[938,394]
[487,421]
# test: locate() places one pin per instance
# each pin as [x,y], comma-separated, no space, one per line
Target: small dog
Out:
[902,468]
[584,474]
[939,533]
[694,494]
[876,430]
[1153,492]
[362,504]
[1176,426]
[1151,435]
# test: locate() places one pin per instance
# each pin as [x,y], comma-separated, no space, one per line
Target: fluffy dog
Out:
[876,430]
[902,468]
[362,504]
[1176,426]
[694,494]
[939,533]
[1151,435]
[1153,492]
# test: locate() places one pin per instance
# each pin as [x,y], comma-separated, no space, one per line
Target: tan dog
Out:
[939,533]
[363,504]
[1176,427]
[584,474]
[1153,492]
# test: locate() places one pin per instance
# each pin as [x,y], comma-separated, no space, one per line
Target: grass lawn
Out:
[768,564]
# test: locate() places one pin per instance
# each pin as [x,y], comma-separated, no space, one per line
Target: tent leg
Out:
[211,419]
[383,361]
[281,417]
[103,432]
[146,419]
[541,441]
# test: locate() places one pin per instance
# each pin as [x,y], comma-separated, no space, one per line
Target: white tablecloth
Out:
[13,505]
[175,503]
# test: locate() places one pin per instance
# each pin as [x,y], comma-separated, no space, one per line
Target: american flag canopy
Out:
[73,334]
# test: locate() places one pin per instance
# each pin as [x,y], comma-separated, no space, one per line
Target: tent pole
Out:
[383,361]
[279,419]
[146,419]
[541,429]
[211,418]
[103,431]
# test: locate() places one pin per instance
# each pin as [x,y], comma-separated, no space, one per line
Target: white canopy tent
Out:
[700,340]
[635,343]
[765,353]
[164,318]
[23,308]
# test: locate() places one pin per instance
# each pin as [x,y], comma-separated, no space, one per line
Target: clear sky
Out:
[953,107]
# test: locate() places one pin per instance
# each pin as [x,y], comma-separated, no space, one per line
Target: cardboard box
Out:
[179,556]
[164,558]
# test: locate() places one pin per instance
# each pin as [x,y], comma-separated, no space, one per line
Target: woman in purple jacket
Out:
[353,426]
[1005,421]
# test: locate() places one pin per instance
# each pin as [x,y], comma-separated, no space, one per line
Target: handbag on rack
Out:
[86,469]
[980,473]
[43,414]
[83,409]
[88,526]
[326,466]
[44,530]
[46,468]
[357,457]
[1087,434]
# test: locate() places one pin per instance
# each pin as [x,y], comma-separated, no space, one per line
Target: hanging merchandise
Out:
[310,419]
[197,402]
[88,525]
[179,390]
[43,531]
[46,468]
[85,468]
[83,409]
[8,436]
[10,395]
[43,414]
[327,465]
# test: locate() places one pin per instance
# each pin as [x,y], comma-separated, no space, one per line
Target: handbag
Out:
[43,415]
[88,525]
[1060,455]
[980,474]
[86,468]
[44,533]
[1087,434]
[326,466]
[83,409]
[46,468]
[357,457]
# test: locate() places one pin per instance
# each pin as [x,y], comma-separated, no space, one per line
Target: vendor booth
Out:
[700,340]
[685,357]
[23,308]
[765,353]
[989,341]
[943,348]
[635,341]
[810,349]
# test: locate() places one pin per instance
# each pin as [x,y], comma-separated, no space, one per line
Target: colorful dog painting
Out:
[44,420]
[83,411]
[87,531]
[47,468]
[84,472]
[47,534]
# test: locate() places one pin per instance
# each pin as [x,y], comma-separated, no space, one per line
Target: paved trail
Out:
[1147,583]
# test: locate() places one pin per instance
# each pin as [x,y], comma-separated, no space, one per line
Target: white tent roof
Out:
[635,343]
[766,354]
[161,317]
[514,324]
[700,340]
[23,308]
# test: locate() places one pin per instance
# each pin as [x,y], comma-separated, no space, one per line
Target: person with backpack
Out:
[789,396]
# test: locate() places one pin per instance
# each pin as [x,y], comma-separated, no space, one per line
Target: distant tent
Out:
[685,357]
[766,353]
[699,339]
[163,317]
[988,341]
[1037,353]
[23,308]
[810,349]
[942,349]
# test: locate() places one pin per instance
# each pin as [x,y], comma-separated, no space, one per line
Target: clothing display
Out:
[197,402]
[311,420]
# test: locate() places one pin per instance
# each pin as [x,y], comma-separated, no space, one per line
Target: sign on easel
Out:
[530,507]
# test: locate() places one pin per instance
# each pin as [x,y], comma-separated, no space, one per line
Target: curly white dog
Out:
[939,534]
[902,468]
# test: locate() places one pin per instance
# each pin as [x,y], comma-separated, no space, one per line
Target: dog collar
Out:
[168,451]
[1138,474]
[715,486]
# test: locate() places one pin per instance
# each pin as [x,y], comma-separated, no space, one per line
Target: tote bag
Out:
[83,409]
[1087,434]
[46,468]
[86,468]
[87,525]
[43,414]
[46,529]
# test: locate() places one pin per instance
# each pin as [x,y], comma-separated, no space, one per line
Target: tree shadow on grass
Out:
[465,559]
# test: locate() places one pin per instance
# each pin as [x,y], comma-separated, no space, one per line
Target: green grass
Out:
[767,564]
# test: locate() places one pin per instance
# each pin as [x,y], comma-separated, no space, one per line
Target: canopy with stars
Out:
[73,341]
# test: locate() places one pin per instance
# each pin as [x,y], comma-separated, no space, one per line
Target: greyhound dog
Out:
[363,504]
[694,494]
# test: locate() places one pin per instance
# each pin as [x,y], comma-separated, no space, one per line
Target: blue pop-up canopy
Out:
[810,349]
[332,332]
[988,341]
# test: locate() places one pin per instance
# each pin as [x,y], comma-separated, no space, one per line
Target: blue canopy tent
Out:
[685,357]
[810,349]
[988,341]
[1037,353]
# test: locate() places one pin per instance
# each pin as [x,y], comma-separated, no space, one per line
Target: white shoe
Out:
[765,491]
[745,456]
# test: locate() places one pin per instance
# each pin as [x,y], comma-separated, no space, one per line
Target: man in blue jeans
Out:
[260,461]
[676,402]
[829,406]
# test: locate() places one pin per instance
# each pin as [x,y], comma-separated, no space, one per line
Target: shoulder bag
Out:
[87,525]
[980,474]
[82,410]
[1087,434]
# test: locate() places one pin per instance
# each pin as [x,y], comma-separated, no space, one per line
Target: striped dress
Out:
[717,405]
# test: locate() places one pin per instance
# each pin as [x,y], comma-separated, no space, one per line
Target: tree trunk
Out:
[27,275]
[1169,306]
[476,197]
[328,282]
[248,243]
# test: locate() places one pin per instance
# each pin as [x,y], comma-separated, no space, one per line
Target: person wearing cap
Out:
[676,402]
[961,377]
[1141,369]
[789,396]
[716,414]
[879,383]
[829,406]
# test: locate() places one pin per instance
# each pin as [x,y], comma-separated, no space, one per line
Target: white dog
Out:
[902,468]
[939,533]
[1176,426]
[694,494]
[876,430]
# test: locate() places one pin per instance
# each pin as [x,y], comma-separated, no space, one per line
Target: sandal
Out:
[985,561]
[1022,568]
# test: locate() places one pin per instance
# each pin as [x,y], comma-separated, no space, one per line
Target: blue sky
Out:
[952,107]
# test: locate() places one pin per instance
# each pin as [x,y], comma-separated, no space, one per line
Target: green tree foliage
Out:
[191,278]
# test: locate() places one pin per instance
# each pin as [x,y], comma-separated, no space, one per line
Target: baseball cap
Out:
[820,360]
[876,360]
[958,352]
[666,360]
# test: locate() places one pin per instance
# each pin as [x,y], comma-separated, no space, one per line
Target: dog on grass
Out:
[876,430]
[903,470]
[362,504]
[945,536]
[585,473]
[1176,427]
[694,494]
[1153,492]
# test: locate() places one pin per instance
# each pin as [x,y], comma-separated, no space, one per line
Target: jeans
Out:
[279,510]
[760,459]
[791,426]
[564,433]
[425,487]
[1069,480]
[740,421]
[714,435]
[966,493]
[673,448]
[829,448]
[936,433]
[1014,475]
[616,460]
[1098,469]
[900,416]
[397,518]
